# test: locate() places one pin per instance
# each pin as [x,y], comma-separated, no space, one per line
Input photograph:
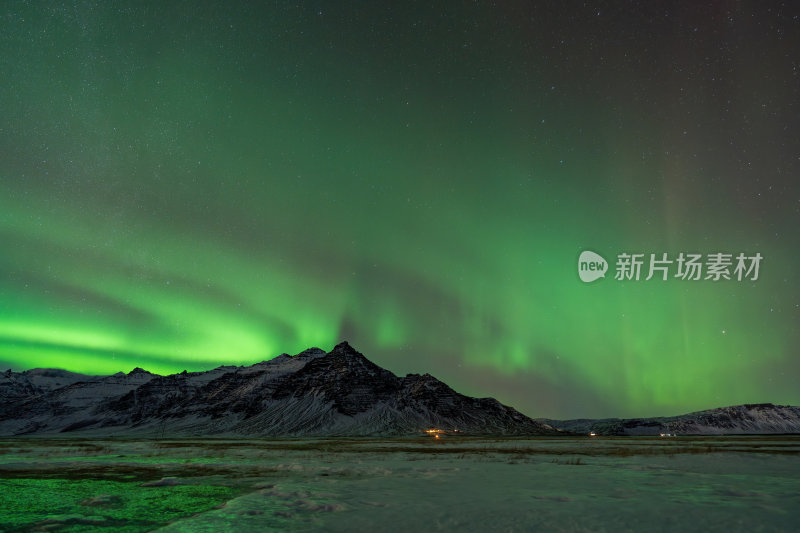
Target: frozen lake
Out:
[403,484]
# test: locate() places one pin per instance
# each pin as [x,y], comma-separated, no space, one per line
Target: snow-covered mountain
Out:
[748,419]
[313,393]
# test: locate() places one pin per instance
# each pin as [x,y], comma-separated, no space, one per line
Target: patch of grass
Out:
[78,505]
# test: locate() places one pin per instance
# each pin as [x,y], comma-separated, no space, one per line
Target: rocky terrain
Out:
[748,419]
[314,393]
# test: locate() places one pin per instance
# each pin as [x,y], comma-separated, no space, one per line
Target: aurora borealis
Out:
[185,185]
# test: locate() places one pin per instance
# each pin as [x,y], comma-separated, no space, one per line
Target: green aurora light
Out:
[189,186]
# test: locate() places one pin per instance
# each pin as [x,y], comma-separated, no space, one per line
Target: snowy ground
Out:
[548,484]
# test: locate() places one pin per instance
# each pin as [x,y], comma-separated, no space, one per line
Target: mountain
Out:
[314,393]
[748,419]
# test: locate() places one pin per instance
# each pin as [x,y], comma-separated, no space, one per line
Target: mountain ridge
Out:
[744,419]
[314,393]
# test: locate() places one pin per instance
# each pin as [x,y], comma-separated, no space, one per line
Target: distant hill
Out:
[748,419]
[313,393]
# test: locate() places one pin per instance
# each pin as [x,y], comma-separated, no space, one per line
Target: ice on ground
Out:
[553,484]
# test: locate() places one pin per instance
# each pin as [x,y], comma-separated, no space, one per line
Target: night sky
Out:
[190,184]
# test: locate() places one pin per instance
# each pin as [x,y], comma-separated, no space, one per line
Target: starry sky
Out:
[190,184]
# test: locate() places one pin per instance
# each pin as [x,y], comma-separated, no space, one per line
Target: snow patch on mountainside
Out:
[748,419]
[313,393]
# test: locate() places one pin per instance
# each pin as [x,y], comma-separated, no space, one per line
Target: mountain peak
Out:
[337,393]
[309,353]
[345,349]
